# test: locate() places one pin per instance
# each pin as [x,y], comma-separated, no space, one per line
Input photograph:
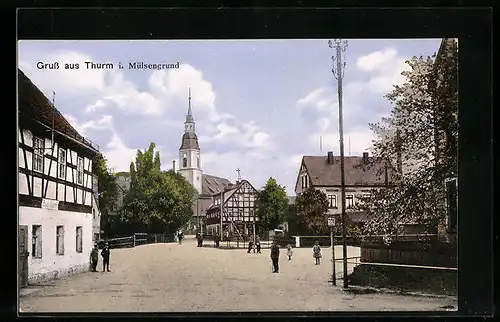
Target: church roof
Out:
[213,185]
[189,141]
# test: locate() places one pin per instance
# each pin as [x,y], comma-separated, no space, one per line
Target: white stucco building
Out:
[55,190]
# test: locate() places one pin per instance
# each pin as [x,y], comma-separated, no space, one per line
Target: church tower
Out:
[189,152]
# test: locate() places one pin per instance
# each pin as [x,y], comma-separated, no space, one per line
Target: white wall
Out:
[52,265]
[191,173]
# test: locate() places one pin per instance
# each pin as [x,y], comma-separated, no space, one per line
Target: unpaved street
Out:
[184,278]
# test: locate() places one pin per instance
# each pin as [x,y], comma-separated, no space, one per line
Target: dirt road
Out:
[185,278]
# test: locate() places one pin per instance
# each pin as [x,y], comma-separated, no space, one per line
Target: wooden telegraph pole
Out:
[338,72]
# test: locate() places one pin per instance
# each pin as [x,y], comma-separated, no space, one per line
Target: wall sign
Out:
[50,204]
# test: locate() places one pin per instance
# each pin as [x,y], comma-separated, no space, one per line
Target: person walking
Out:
[257,243]
[250,246]
[180,236]
[289,251]
[201,240]
[105,257]
[216,240]
[317,252]
[275,255]
[94,257]
[198,239]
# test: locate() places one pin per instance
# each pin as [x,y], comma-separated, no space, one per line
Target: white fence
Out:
[139,239]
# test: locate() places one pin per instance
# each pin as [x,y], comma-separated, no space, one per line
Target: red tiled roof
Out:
[357,173]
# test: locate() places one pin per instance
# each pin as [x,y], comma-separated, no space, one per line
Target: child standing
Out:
[289,251]
[317,252]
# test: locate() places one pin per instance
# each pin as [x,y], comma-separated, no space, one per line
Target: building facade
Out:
[55,190]
[443,82]
[233,210]
[362,174]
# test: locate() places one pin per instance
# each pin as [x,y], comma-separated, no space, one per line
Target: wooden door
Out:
[23,256]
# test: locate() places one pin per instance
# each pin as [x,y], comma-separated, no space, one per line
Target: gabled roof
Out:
[228,193]
[212,185]
[35,105]
[357,173]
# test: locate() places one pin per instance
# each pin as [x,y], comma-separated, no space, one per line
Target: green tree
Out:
[158,201]
[106,188]
[419,141]
[272,204]
[312,206]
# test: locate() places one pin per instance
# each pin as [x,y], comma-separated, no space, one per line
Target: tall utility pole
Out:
[338,72]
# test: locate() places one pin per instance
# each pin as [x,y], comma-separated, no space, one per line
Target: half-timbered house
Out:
[55,190]
[233,210]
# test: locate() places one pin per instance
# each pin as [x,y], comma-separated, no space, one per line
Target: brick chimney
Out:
[365,157]
[329,157]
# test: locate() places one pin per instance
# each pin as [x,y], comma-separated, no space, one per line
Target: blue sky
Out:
[259,105]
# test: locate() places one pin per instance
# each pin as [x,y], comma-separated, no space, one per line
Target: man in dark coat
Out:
[250,246]
[257,243]
[201,240]
[275,255]
[216,240]
[94,258]
[105,257]
[198,239]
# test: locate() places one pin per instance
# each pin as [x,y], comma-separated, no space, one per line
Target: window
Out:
[302,183]
[93,214]
[79,239]
[36,249]
[306,181]
[62,164]
[38,148]
[184,160]
[60,240]
[349,201]
[198,161]
[332,201]
[79,170]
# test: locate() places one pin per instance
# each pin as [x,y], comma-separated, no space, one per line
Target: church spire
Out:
[189,116]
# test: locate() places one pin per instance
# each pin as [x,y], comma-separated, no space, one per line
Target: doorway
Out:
[23,256]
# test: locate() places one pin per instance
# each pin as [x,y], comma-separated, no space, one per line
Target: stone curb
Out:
[371,290]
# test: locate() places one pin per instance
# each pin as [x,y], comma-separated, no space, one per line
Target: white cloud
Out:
[323,123]
[95,107]
[246,135]
[378,60]
[175,83]
[116,152]
[101,85]
[313,97]
[385,69]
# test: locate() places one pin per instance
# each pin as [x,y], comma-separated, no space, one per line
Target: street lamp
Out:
[338,72]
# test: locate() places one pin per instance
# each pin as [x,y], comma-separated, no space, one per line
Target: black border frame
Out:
[473,27]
